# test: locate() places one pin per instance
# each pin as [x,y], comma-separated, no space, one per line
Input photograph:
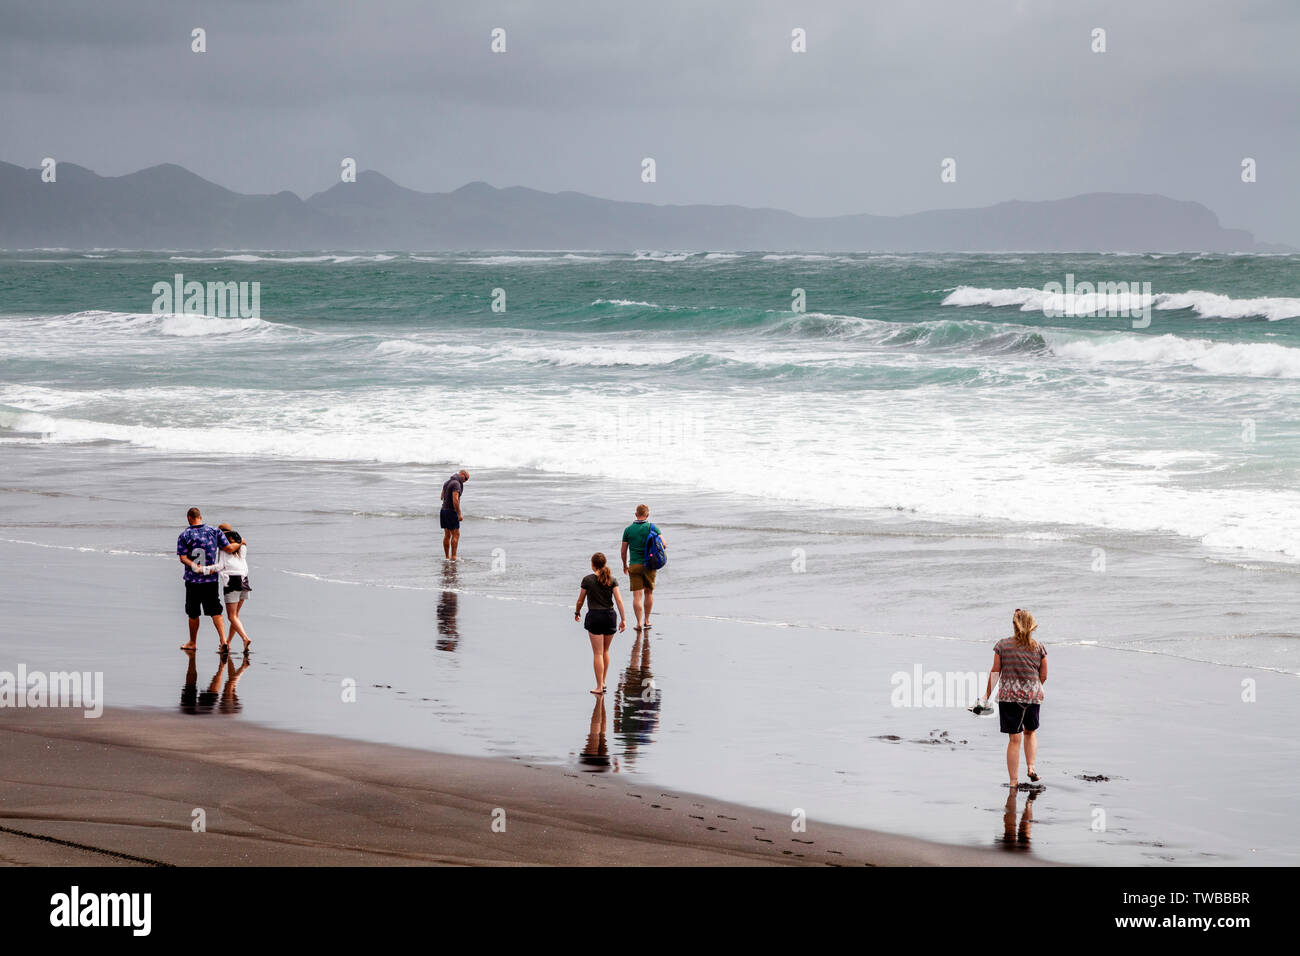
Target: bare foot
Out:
[1033,775]
[189,647]
[247,644]
[597,692]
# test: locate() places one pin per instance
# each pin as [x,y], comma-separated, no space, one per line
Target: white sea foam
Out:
[1208,304]
[1010,462]
[1241,359]
[172,325]
[251,257]
[627,302]
[656,256]
[509,260]
[596,356]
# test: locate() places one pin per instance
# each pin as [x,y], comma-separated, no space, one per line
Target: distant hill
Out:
[168,207]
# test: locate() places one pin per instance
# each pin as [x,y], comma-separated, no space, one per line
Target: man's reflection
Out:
[448,634]
[636,716]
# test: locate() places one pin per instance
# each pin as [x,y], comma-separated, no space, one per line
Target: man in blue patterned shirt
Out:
[198,547]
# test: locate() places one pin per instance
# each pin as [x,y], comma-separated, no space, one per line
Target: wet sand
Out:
[1147,759]
[122,790]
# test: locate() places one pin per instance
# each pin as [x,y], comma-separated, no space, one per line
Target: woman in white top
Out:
[232,570]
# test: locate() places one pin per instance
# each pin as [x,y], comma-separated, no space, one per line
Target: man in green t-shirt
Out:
[643,579]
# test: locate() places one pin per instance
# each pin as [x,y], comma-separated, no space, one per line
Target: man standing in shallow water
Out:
[642,578]
[450,517]
[198,548]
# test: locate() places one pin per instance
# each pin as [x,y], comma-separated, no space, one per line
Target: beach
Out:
[854,502]
[75,795]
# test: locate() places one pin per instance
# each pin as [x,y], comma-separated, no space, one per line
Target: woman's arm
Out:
[622,614]
[1042,669]
[994,673]
[582,596]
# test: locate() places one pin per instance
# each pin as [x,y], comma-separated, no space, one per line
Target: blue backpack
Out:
[656,552]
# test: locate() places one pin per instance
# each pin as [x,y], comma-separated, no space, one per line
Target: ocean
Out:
[911,456]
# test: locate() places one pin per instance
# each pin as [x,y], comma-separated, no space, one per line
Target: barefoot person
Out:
[450,517]
[198,547]
[600,590]
[1021,663]
[232,575]
[642,578]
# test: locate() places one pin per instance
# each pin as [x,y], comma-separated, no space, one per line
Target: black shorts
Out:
[601,621]
[203,596]
[449,520]
[1015,718]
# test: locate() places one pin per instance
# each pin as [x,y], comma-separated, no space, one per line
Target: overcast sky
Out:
[711,90]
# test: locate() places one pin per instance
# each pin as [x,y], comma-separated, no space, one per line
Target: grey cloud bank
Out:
[1011,90]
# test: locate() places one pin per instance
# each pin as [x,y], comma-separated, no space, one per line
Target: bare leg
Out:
[1013,759]
[609,639]
[236,625]
[598,658]
[446,543]
[455,543]
[194,635]
[636,606]
[1031,751]
[649,603]
[219,623]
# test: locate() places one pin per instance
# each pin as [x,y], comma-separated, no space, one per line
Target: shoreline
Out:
[74,795]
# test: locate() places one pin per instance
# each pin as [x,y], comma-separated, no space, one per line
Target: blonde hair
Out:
[601,567]
[642,511]
[1024,625]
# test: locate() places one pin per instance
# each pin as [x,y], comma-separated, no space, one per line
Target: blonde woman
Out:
[1020,667]
[600,590]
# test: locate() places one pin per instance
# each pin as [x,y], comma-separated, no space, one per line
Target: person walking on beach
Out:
[232,575]
[450,516]
[642,578]
[198,548]
[600,590]
[1020,667]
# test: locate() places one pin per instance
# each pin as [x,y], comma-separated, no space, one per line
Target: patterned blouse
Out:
[1019,681]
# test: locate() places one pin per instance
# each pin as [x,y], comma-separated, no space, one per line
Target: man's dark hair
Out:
[193,513]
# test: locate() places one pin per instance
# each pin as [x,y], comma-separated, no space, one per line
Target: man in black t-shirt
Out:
[450,517]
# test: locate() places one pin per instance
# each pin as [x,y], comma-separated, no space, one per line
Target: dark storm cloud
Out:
[711,90]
